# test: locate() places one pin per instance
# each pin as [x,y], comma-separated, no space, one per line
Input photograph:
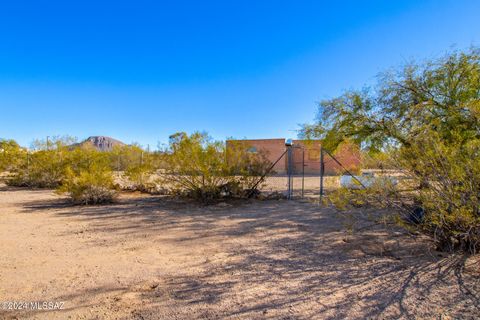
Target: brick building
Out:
[305,152]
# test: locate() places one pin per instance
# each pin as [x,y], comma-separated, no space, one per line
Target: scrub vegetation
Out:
[192,166]
[424,121]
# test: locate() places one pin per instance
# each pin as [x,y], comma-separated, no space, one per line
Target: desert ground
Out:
[310,185]
[151,257]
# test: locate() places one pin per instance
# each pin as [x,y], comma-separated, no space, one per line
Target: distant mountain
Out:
[101,143]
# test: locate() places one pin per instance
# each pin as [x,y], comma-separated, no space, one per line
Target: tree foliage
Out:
[198,167]
[193,165]
[88,177]
[426,118]
[44,166]
[442,95]
[11,154]
[82,172]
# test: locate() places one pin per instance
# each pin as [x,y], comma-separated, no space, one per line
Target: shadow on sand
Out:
[291,260]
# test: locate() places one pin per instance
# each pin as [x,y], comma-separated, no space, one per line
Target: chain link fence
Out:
[304,176]
[296,173]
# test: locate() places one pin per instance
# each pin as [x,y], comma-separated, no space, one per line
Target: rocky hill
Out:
[101,143]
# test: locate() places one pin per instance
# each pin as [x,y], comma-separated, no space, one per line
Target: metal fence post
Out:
[322,173]
[303,171]
[289,171]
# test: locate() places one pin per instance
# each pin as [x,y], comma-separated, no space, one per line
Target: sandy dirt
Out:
[147,257]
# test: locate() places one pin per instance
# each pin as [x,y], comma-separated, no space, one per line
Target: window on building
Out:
[252,150]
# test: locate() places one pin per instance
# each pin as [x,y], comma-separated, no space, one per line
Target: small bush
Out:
[199,168]
[88,178]
[448,180]
[44,167]
[140,176]
[126,156]
[92,186]
[11,155]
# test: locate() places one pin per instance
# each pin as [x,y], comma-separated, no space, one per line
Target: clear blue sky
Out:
[140,71]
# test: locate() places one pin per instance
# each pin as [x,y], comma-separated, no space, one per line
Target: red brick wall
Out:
[312,156]
[347,154]
[272,148]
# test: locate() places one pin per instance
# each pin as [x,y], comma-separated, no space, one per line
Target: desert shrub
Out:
[11,155]
[448,188]
[44,167]
[442,181]
[135,167]
[203,169]
[88,178]
[92,186]
[376,160]
[126,156]
[246,166]
[140,177]
[424,120]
